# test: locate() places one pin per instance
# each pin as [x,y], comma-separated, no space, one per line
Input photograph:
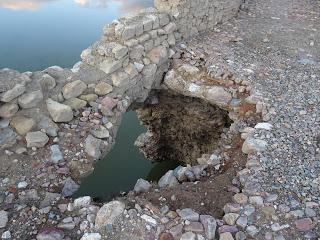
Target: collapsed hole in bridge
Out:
[175,130]
[180,128]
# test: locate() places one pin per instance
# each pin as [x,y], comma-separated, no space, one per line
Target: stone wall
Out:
[194,16]
[121,68]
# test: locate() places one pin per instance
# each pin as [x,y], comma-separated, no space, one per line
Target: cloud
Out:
[23,4]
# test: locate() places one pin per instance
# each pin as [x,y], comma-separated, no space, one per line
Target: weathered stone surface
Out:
[240,198]
[73,89]
[142,186]
[251,145]
[179,173]
[49,199]
[8,110]
[108,213]
[50,234]
[195,227]
[49,126]
[56,154]
[36,139]
[91,236]
[150,220]
[188,214]
[110,65]
[226,236]
[89,97]
[304,224]
[230,218]
[59,112]
[210,226]
[168,180]
[92,147]
[103,88]
[166,236]
[22,125]
[75,103]
[31,99]
[218,96]
[119,79]
[82,202]
[158,55]
[100,132]
[47,82]
[13,93]
[8,138]
[109,102]
[69,188]
[3,219]
[188,236]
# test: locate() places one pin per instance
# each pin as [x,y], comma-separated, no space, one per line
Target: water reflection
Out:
[125,5]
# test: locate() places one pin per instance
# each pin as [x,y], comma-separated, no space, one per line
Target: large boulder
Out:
[73,89]
[108,213]
[31,99]
[36,139]
[59,112]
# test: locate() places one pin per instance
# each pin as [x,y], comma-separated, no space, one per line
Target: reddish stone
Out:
[109,102]
[304,224]
[166,236]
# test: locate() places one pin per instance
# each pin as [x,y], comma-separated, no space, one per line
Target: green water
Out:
[124,164]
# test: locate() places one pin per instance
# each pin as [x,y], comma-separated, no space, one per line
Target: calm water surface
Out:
[35,34]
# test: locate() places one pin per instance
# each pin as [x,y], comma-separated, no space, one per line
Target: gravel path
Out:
[275,46]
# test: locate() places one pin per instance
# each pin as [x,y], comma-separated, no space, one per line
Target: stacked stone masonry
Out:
[129,60]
